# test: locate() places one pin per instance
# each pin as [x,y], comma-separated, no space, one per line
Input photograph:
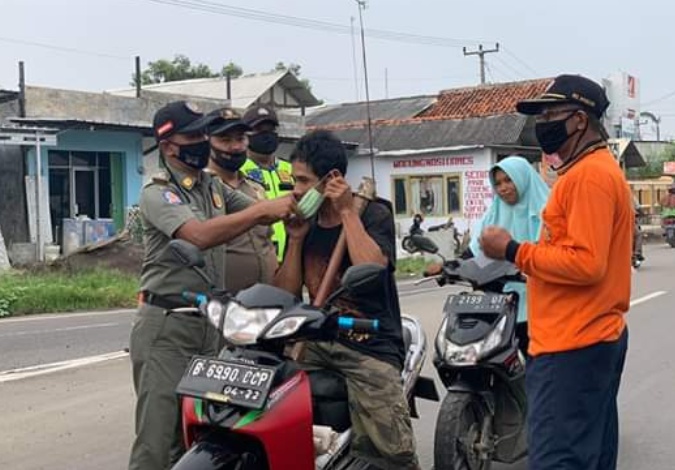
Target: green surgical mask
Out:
[310,203]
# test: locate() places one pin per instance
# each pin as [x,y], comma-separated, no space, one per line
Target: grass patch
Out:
[46,291]
[410,267]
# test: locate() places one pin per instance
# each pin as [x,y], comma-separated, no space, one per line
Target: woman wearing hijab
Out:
[521,195]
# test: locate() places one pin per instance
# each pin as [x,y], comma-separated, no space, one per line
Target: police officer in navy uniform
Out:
[185,202]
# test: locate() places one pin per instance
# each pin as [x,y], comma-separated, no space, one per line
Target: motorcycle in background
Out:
[482,418]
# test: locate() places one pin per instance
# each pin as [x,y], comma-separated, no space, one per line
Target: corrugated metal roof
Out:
[422,134]
[398,108]
[245,90]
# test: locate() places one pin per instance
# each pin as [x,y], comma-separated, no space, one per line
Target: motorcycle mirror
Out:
[187,253]
[191,257]
[424,244]
[363,278]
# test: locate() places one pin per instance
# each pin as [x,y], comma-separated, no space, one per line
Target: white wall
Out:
[472,165]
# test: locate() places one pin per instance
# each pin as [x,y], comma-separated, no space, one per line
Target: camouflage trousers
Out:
[382,433]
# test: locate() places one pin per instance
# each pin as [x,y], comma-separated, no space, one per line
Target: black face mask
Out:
[195,155]
[229,161]
[264,143]
[553,134]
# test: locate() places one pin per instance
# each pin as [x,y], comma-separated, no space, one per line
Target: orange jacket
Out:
[579,272]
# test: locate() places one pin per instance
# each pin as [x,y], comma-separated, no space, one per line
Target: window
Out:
[400,197]
[429,195]
[452,192]
[79,184]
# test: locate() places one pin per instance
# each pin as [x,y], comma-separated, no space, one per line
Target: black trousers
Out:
[573,421]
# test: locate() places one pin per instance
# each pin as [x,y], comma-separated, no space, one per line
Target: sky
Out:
[92,43]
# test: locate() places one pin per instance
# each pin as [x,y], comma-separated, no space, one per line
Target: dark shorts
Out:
[572,418]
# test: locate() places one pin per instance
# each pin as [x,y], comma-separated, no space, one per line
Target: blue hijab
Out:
[522,219]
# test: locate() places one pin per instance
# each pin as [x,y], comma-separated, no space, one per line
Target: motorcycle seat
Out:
[329,399]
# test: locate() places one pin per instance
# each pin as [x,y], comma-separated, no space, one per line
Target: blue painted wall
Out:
[129,144]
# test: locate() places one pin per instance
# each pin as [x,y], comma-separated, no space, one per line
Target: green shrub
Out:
[42,291]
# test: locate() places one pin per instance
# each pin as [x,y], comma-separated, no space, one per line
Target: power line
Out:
[492,68]
[71,50]
[488,68]
[517,74]
[247,13]
[520,61]
[391,79]
[658,100]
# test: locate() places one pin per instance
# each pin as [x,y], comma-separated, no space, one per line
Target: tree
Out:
[295,70]
[654,164]
[234,70]
[179,68]
[292,67]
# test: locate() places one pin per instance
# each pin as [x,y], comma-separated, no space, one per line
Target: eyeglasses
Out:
[551,114]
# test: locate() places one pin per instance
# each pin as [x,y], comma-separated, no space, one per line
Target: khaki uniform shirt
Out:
[251,257]
[166,204]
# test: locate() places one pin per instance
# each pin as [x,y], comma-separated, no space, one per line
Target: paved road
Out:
[82,417]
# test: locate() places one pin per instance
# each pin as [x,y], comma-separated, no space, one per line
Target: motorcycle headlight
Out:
[242,325]
[285,327]
[468,354]
[215,311]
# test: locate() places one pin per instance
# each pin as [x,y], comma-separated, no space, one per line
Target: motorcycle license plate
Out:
[227,382]
[477,303]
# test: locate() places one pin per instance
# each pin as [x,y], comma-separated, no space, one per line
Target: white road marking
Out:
[50,316]
[56,330]
[647,298]
[42,369]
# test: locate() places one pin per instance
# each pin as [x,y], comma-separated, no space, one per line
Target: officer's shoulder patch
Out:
[172,198]
[161,177]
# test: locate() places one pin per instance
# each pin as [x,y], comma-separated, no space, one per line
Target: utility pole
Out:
[362,6]
[656,120]
[356,77]
[480,52]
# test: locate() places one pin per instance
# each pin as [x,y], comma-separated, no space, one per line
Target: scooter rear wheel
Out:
[458,431]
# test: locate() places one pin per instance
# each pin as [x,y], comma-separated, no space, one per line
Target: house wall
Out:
[279,96]
[13,214]
[128,144]
[469,168]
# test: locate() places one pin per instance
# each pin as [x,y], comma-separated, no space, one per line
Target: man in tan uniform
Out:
[250,258]
[184,202]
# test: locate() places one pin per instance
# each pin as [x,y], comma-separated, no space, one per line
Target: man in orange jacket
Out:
[578,284]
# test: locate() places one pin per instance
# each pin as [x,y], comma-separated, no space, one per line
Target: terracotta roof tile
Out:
[457,104]
[485,100]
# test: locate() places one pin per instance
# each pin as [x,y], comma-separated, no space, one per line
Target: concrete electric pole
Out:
[480,52]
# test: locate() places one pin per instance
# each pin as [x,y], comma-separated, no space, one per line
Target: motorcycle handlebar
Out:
[195,298]
[358,325]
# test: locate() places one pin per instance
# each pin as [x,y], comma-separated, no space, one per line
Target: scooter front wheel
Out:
[458,434]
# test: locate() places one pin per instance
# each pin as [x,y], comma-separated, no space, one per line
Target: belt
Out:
[162,301]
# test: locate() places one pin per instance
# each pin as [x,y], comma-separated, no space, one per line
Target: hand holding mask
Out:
[311,201]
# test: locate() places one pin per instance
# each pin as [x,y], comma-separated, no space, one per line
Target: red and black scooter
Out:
[253,407]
